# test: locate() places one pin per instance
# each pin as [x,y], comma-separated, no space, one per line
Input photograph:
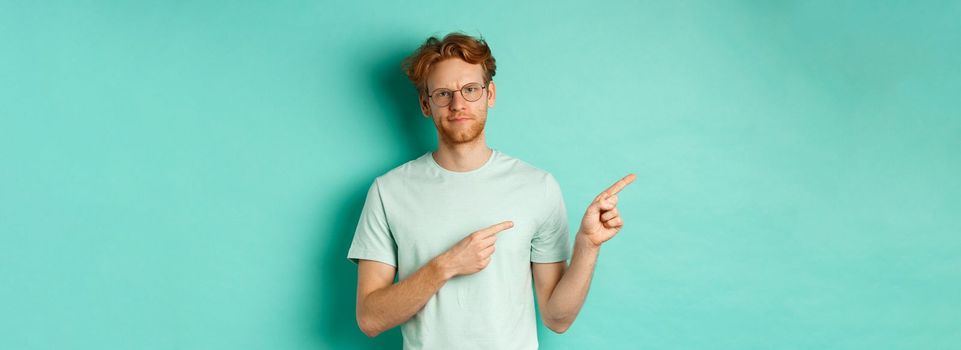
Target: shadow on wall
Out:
[335,318]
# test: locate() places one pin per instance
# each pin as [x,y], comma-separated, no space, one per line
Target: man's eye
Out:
[470,89]
[443,93]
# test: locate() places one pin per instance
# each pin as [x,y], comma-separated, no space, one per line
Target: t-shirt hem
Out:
[355,258]
[545,260]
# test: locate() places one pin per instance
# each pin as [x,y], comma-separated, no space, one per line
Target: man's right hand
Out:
[473,253]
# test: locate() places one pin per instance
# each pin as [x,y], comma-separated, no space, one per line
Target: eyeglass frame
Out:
[430,97]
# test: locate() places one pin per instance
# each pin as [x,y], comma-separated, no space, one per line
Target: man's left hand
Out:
[602,221]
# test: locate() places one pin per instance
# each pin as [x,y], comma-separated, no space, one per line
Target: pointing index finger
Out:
[620,184]
[498,228]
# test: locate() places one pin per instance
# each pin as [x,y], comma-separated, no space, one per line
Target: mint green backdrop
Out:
[188,174]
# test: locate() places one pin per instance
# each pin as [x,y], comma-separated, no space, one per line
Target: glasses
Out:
[470,92]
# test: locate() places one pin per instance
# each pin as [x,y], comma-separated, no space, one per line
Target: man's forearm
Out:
[571,291]
[390,306]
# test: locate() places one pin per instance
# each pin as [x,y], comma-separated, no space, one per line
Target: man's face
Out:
[461,121]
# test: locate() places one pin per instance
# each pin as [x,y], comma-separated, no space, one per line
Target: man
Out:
[435,222]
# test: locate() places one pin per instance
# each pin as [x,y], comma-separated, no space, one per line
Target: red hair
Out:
[472,50]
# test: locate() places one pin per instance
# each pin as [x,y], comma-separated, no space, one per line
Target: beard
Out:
[463,132]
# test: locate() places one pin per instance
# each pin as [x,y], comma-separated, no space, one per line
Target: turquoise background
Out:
[188,174]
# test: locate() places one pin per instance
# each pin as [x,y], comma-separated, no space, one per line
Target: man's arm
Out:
[382,305]
[561,290]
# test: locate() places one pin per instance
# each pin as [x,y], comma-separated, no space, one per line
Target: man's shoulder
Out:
[403,171]
[520,169]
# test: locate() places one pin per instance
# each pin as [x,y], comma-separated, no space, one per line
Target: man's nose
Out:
[457,101]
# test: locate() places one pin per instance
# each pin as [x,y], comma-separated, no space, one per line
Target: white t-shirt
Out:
[419,210]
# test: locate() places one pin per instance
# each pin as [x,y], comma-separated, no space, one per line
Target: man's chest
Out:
[428,221]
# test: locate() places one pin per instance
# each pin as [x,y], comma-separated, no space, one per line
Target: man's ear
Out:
[424,105]
[491,94]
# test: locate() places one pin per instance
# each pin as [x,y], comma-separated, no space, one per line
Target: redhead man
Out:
[465,229]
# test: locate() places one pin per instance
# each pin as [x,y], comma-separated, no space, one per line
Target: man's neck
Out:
[462,157]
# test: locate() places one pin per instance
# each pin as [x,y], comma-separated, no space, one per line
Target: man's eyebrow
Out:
[454,88]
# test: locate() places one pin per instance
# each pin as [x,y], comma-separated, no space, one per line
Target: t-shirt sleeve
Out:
[550,243]
[372,239]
